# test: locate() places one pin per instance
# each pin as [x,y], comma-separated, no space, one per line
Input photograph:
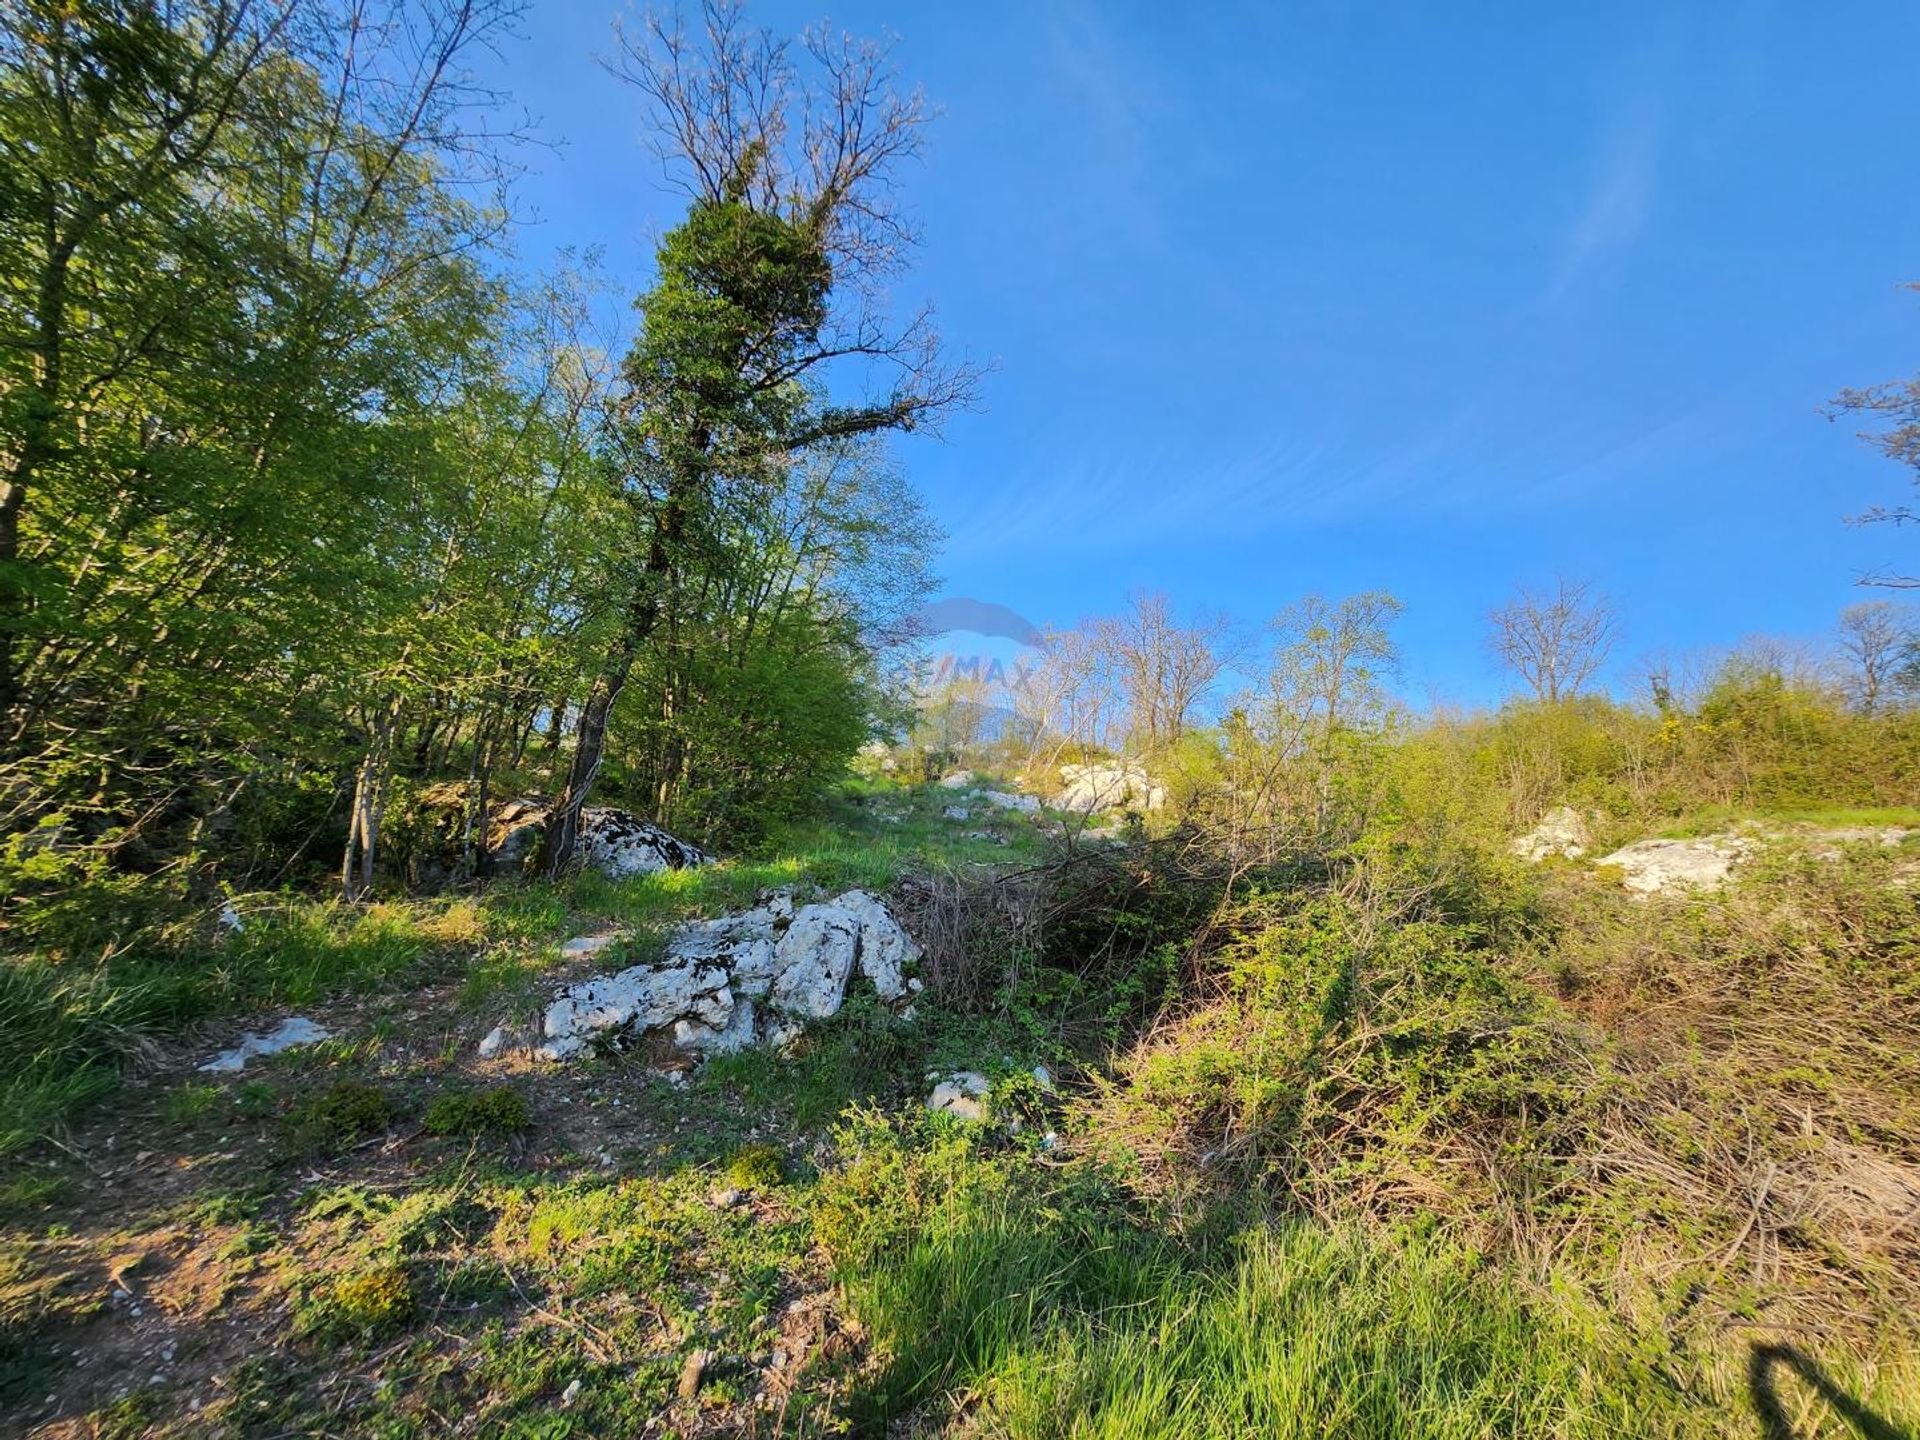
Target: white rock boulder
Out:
[962,1093]
[620,845]
[1649,867]
[612,841]
[1561,832]
[1089,789]
[755,976]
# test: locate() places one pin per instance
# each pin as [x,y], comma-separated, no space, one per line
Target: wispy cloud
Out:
[1618,200]
[1138,501]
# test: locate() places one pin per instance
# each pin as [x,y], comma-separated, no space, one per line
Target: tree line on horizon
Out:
[1218,712]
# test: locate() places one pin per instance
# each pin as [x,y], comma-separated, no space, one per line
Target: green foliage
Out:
[1340,1050]
[756,1167]
[364,1304]
[343,1114]
[501,1110]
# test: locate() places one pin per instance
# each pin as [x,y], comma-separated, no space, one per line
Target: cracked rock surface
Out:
[751,977]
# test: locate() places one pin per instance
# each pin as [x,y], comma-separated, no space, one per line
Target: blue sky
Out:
[1323,296]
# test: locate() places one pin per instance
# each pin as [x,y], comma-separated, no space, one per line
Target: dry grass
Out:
[1697,1119]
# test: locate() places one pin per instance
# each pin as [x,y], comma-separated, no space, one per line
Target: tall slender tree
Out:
[761,291]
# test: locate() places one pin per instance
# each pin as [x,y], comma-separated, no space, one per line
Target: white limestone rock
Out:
[754,976]
[959,780]
[813,961]
[1561,832]
[886,950]
[620,845]
[1007,800]
[1651,866]
[737,1034]
[1089,789]
[962,1093]
[640,998]
[294,1031]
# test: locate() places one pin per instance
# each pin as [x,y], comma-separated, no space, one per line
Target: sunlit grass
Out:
[1716,818]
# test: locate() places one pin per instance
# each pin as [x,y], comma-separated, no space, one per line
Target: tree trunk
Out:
[370,785]
[643,616]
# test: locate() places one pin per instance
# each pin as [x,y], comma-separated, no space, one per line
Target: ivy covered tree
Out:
[761,293]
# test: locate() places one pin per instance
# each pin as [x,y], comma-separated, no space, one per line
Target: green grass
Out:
[1312,1332]
[68,1026]
[1714,819]
[1051,1302]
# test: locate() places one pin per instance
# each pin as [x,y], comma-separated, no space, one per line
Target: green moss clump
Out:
[756,1167]
[500,1111]
[374,1302]
[343,1113]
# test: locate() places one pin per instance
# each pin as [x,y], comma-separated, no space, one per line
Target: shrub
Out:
[499,1111]
[340,1115]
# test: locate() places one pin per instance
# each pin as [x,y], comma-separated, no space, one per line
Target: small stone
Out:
[963,1093]
[570,1394]
[495,1042]
[724,1199]
[692,1372]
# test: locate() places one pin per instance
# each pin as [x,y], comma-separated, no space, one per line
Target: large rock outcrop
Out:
[1561,832]
[619,845]
[1650,866]
[1090,789]
[1703,863]
[754,976]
